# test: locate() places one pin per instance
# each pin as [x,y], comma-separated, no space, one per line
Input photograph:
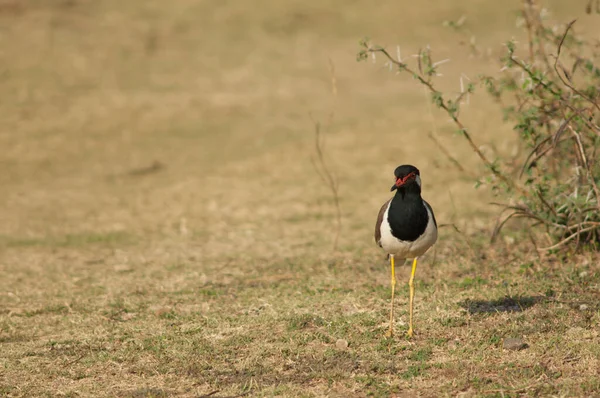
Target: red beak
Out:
[401,181]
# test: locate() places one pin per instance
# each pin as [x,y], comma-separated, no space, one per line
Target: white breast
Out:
[407,249]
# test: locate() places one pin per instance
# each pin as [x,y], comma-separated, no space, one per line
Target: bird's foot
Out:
[389,333]
[409,334]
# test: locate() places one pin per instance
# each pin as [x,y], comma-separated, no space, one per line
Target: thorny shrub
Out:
[550,91]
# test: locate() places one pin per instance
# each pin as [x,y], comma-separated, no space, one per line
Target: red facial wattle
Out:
[401,181]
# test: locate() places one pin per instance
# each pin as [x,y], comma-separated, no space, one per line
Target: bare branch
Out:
[569,238]
[461,127]
[566,83]
[588,169]
[329,180]
[447,153]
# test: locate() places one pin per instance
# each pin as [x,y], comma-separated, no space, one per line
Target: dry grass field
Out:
[164,233]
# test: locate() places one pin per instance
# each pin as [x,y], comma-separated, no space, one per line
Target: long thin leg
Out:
[411,287]
[390,333]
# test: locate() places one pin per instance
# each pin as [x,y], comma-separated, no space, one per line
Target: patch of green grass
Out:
[7,389]
[374,387]
[71,240]
[453,321]
[472,282]
[12,337]
[209,292]
[414,371]
[480,382]
[49,309]
[148,393]
[304,321]
[494,339]
[22,242]
[591,385]
[421,355]
[83,239]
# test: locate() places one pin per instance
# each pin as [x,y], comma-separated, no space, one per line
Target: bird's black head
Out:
[407,176]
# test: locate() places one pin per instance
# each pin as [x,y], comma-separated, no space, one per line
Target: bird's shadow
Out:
[504,304]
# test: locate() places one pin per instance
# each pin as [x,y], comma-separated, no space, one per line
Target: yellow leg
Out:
[390,333]
[411,287]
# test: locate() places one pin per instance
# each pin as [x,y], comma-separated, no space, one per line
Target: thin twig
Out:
[500,224]
[455,228]
[443,105]
[79,358]
[209,394]
[437,142]
[537,80]
[540,195]
[329,180]
[588,169]
[527,164]
[525,212]
[569,238]
[445,152]
[334,89]
[529,32]
[539,30]
[212,393]
[562,40]
[583,224]
[535,245]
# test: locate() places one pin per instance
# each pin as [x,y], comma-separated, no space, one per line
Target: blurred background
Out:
[196,118]
[158,185]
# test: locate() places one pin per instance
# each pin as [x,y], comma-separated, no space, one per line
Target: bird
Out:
[406,228]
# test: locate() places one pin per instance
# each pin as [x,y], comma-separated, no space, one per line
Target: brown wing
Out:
[379,221]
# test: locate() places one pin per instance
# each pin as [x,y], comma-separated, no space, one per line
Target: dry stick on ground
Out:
[210,394]
[329,180]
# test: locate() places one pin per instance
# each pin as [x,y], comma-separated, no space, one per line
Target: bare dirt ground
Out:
[163,231]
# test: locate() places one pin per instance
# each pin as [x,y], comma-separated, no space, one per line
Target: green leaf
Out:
[437,99]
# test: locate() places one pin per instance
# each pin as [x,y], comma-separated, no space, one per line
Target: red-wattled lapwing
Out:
[406,228]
